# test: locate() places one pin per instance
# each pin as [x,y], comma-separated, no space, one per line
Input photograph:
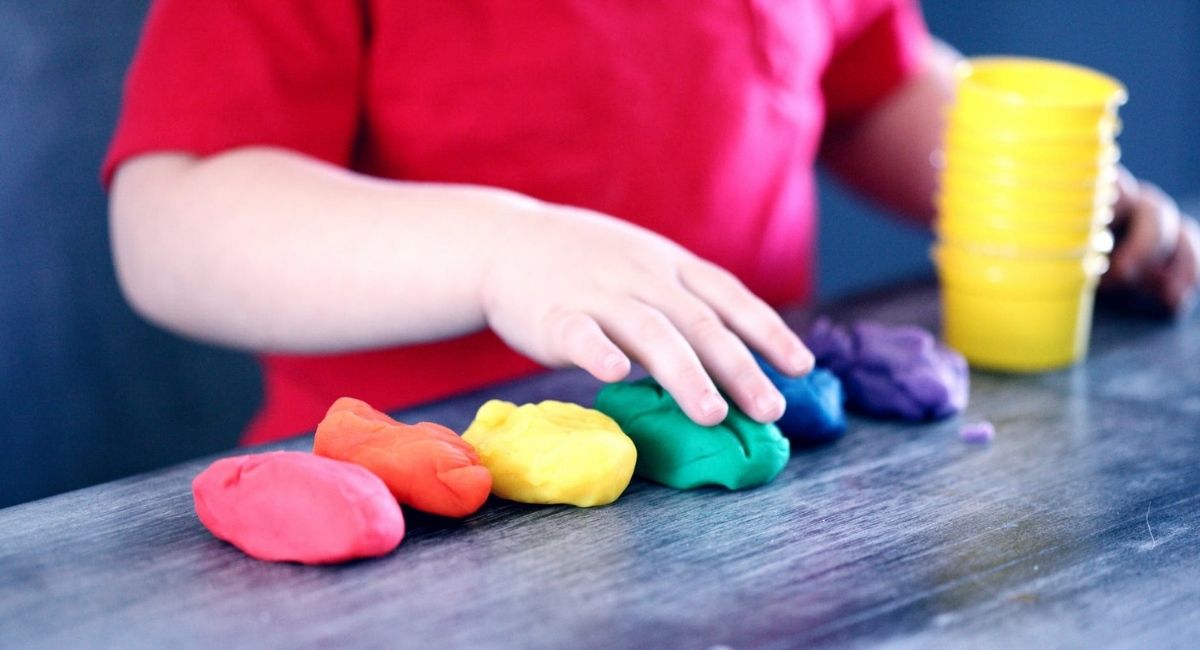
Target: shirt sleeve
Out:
[877,46]
[211,75]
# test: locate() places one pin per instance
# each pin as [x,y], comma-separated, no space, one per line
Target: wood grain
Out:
[1079,526]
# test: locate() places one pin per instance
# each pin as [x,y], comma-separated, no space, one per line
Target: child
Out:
[357,190]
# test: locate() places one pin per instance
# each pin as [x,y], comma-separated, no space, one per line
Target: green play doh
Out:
[673,450]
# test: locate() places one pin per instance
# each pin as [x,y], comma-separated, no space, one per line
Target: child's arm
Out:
[887,154]
[267,249]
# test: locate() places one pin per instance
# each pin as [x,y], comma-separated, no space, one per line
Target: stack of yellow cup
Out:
[1027,189]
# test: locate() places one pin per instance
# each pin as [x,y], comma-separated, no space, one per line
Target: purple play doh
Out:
[977,432]
[893,371]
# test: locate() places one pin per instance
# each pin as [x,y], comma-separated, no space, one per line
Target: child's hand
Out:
[572,286]
[1158,249]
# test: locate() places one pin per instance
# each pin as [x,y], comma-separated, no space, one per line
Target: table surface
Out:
[1079,526]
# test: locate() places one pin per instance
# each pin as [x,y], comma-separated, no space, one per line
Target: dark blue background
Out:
[91,393]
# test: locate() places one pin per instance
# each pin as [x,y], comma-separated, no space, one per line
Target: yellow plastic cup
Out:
[1016,171]
[1024,215]
[1083,188]
[964,188]
[1013,126]
[1027,187]
[1014,240]
[1083,151]
[1024,273]
[1015,333]
[1000,157]
[1013,213]
[1040,92]
[1017,313]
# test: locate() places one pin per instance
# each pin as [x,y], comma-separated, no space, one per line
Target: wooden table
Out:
[1078,527]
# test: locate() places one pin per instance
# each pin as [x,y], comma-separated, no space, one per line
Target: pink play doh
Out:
[290,506]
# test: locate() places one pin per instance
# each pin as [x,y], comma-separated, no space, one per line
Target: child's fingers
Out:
[722,353]
[1152,231]
[579,338]
[752,319]
[1127,194]
[1182,275]
[654,340]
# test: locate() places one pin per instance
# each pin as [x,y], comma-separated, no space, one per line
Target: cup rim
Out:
[993,135]
[971,184]
[1048,222]
[1014,199]
[1015,245]
[1024,215]
[1029,181]
[1106,159]
[968,75]
[1087,262]
[1019,292]
[969,114]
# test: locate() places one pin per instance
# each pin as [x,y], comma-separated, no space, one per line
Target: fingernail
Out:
[613,361]
[711,404]
[802,360]
[768,405]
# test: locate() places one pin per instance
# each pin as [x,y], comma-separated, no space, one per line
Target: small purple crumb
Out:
[977,432]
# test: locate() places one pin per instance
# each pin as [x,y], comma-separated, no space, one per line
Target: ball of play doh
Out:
[815,410]
[552,452]
[289,506]
[977,432]
[425,465]
[892,371]
[675,451]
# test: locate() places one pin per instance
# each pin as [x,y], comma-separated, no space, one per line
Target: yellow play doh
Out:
[552,452]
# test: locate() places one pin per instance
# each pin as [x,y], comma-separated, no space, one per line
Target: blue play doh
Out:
[815,413]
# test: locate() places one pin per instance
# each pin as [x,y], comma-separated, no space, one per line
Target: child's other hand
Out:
[568,286]
[1158,249]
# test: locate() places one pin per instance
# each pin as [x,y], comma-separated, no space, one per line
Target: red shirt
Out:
[699,119]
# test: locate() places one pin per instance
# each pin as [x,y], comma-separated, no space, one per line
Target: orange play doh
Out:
[424,465]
